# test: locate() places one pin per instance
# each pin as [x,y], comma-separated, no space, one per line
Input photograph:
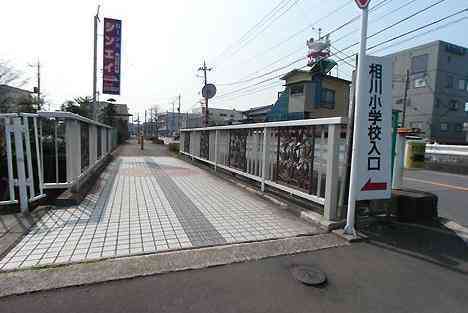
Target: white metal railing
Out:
[48,150]
[305,158]
[447,149]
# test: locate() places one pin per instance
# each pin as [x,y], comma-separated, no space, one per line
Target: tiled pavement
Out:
[147,205]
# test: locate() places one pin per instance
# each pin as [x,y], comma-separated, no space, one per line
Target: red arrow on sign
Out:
[369,186]
[362,3]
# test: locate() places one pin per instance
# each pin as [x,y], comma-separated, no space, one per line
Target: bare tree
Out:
[154,119]
[9,75]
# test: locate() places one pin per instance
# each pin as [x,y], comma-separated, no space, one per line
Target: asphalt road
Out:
[451,189]
[398,270]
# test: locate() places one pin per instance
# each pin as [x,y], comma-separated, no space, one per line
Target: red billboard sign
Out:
[362,3]
[111,56]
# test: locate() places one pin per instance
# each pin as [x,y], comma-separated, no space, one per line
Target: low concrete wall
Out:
[457,164]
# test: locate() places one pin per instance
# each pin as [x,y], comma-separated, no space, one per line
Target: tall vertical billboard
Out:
[111,56]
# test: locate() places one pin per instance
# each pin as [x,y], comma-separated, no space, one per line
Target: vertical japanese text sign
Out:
[374,141]
[111,56]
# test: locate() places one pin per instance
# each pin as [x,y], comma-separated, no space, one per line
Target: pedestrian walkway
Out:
[145,204]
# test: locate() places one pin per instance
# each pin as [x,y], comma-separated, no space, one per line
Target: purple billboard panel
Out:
[111,56]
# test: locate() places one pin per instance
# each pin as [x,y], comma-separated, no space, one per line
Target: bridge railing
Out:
[305,158]
[48,150]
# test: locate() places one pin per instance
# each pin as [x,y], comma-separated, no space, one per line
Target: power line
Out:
[377,18]
[251,34]
[419,28]
[253,27]
[381,43]
[423,34]
[251,92]
[406,18]
[242,81]
[263,29]
[310,26]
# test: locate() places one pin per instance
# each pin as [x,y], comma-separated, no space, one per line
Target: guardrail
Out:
[447,149]
[305,158]
[49,150]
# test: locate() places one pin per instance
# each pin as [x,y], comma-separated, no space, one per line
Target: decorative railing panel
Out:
[305,157]
[238,148]
[205,144]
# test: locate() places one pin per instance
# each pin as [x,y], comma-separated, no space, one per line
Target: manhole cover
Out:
[309,275]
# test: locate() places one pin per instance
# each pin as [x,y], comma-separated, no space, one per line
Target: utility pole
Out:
[96,20]
[178,118]
[144,127]
[138,124]
[173,114]
[405,99]
[38,85]
[205,69]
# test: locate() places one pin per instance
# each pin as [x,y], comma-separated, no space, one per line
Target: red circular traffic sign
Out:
[362,3]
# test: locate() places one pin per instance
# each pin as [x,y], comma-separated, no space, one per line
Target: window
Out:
[419,125]
[466,107]
[461,84]
[458,127]
[444,127]
[419,63]
[419,82]
[450,81]
[328,98]
[453,105]
[297,90]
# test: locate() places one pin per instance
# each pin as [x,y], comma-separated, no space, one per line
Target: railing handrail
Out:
[308,122]
[447,147]
[61,114]
[57,114]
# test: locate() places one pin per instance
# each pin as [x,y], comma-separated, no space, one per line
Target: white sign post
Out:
[360,148]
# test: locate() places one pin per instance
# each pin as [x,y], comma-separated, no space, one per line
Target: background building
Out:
[218,116]
[14,99]
[258,114]
[311,95]
[437,89]
[116,115]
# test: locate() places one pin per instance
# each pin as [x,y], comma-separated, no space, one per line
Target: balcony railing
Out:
[305,158]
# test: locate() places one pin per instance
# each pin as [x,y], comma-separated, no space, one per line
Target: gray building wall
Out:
[434,104]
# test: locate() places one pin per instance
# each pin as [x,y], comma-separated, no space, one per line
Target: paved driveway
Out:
[148,205]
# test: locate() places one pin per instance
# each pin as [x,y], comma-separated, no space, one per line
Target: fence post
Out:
[398,162]
[22,184]
[73,149]
[92,145]
[103,142]
[9,127]
[266,132]
[27,143]
[216,150]
[39,155]
[331,186]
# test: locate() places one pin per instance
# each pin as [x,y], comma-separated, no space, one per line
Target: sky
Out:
[165,42]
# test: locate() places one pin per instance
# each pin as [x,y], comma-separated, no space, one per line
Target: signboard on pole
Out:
[362,3]
[374,140]
[111,56]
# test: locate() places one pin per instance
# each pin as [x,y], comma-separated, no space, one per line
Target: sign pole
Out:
[358,123]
